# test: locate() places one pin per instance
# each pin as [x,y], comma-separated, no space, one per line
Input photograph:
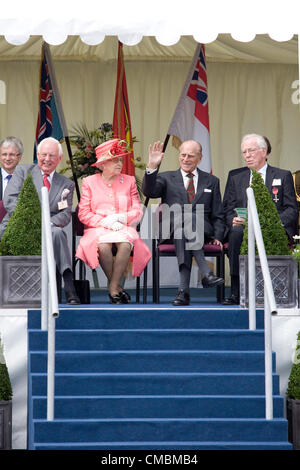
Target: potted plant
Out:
[5,403]
[282,266]
[293,399]
[20,252]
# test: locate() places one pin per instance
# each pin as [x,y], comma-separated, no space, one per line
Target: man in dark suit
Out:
[255,150]
[49,154]
[11,151]
[186,190]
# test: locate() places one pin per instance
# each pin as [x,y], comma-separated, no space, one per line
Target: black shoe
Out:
[182,298]
[212,281]
[232,300]
[125,297]
[115,299]
[72,297]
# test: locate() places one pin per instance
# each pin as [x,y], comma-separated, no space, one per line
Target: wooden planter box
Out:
[284,276]
[293,417]
[5,425]
[20,280]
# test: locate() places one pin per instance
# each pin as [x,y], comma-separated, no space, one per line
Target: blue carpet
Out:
[145,376]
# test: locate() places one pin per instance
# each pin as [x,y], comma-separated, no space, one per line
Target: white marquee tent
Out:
[252,67]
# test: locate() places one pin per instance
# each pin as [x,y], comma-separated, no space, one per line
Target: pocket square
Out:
[206,190]
[276,182]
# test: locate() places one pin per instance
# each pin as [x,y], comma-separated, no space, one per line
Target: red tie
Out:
[46,182]
[191,188]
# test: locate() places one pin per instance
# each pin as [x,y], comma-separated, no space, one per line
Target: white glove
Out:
[109,220]
[122,218]
[116,226]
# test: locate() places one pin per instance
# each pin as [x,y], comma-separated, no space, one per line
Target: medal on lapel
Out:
[275,192]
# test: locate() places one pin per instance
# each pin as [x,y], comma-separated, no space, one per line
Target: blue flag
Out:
[51,121]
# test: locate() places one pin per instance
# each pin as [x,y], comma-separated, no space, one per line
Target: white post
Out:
[268,359]
[53,304]
[251,272]
[44,286]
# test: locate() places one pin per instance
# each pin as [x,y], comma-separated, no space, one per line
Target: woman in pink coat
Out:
[110,210]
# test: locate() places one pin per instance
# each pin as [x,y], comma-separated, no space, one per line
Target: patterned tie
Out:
[190,189]
[46,182]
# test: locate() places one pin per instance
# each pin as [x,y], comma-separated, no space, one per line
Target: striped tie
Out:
[191,188]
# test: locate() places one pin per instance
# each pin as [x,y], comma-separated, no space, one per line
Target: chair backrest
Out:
[2,210]
[296,178]
[77,225]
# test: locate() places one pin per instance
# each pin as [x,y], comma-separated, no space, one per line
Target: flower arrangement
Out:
[296,251]
[85,141]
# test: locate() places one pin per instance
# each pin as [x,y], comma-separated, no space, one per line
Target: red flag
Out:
[121,120]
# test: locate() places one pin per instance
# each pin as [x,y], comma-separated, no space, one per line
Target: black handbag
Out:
[82,288]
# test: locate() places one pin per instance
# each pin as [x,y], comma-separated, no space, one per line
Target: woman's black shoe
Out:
[115,299]
[125,297]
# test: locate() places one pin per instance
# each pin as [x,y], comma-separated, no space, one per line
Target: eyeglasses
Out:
[250,151]
[10,155]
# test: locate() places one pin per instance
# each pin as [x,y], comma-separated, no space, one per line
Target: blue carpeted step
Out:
[154,361]
[97,340]
[128,406]
[145,318]
[242,430]
[154,383]
[171,445]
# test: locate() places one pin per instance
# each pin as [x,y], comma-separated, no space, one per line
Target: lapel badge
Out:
[275,192]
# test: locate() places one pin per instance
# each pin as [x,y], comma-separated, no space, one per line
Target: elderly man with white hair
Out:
[255,151]
[49,154]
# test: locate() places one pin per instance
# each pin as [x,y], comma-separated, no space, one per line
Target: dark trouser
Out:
[235,239]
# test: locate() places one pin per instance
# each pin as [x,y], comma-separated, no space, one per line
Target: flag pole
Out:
[67,140]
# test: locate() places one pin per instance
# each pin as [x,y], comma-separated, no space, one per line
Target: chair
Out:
[77,230]
[2,210]
[296,178]
[167,250]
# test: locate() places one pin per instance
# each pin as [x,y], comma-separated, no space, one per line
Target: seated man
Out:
[11,151]
[49,154]
[192,187]
[255,150]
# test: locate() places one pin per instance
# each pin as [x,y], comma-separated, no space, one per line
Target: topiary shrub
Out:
[22,236]
[293,390]
[274,235]
[5,384]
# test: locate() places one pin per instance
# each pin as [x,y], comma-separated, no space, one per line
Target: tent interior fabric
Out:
[251,88]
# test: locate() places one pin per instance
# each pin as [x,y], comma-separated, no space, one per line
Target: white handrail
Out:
[49,298]
[269,299]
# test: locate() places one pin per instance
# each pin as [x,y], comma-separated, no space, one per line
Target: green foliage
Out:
[293,390]
[273,233]
[85,141]
[5,384]
[22,236]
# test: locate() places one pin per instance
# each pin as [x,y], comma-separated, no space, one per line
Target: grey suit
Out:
[59,218]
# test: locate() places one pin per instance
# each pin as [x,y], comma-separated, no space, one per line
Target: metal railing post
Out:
[52,311]
[268,359]
[251,272]
[269,303]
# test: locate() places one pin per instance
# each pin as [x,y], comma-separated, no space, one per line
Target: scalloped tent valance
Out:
[131,20]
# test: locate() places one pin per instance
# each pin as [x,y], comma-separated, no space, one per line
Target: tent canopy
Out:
[167,20]
[224,49]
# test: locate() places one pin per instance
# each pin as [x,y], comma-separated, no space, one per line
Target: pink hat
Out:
[110,149]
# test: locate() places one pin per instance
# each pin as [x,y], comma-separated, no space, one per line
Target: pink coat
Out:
[99,199]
